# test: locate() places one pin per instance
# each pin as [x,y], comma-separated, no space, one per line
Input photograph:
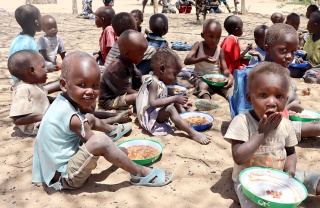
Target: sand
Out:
[202,173]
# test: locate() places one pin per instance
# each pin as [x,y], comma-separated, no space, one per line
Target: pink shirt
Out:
[106,41]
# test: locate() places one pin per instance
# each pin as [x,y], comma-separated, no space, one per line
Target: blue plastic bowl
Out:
[300,66]
[301,53]
[199,127]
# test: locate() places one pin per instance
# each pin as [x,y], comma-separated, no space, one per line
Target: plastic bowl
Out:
[314,116]
[216,84]
[256,181]
[147,142]
[172,87]
[199,127]
[301,53]
[300,66]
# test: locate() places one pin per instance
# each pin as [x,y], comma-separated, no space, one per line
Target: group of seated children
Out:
[66,149]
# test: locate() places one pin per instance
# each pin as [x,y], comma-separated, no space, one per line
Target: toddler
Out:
[66,148]
[118,88]
[154,107]
[231,45]
[208,57]
[259,53]
[277,18]
[138,16]
[262,137]
[50,44]
[103,18]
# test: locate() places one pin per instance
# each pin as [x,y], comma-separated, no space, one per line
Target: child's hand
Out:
[229,80]
[51,68]
[268,123]
[291,173]
[254,53]
[209,59]
[249,47]
[180,99]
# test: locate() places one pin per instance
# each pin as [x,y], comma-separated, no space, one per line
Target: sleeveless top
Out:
[203,67]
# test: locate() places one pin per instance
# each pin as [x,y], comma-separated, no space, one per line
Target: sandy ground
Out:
[202,173]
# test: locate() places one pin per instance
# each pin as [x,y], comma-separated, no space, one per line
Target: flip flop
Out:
[121,130]
[157,173]
[206,105]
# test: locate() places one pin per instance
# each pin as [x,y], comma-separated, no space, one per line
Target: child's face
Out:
[135,55]
[238,31]
[309,11]
[260,40]
[98,20]
[138,20]
[50,27]
[39,73]
[282,52]
[82,83]
[294,22]
[212,35]
[169,74]
[268,94]
[312,25]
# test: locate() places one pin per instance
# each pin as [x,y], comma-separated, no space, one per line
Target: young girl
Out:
[208,57]
[138,16]
[154,108]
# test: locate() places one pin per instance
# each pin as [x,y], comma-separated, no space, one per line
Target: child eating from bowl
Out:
[208,57]
[66,148]
[262,136]
[154,107]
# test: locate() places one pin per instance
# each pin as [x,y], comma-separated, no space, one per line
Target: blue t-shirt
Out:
[22,42]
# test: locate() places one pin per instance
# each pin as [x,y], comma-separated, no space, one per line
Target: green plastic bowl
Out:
[147,142]
[314,116]
[255,181]
[216,84]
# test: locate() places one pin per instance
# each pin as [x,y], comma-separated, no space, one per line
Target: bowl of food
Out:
[300,65]
[198,120]
[218,80]
[269,187]
[304,116]
[301,53]
[176,90]
[142,151]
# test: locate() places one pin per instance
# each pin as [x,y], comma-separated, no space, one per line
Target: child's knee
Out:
[98,143]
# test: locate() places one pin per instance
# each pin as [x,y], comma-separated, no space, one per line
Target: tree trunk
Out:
[41,1]
[155,6]
[74,7]
[243,7]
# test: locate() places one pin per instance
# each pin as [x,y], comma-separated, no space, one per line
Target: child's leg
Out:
[101,145]
[226,4]
[310,129]
[111,118]
[310,179]
[171,112]
[201,90]
[131,98]
[245,202]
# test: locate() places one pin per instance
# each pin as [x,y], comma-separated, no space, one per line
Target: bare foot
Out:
[146,171]
[295,106]
[199,137]
[123,117]
[306,91]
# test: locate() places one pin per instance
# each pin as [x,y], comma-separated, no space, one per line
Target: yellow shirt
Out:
[313,50]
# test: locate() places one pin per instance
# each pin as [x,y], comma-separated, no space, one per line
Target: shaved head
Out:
[131,39]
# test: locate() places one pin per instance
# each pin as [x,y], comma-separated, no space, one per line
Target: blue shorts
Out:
[223,1]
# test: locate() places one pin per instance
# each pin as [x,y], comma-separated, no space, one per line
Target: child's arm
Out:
[62,55]
[225,71]
[192,59]
[27,119]
[290,165]
[248,48]
[156,102]
[43,52]
[75,126]
[242,151]
[257,54]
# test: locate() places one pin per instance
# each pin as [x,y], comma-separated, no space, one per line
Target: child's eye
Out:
[279,96]
[81,85]
[263,95]
[96,85]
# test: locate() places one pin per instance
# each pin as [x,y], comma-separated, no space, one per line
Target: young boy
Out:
[117,83]
[59,158]
[30,20]
[294,20]
[277,18]
[312,44]
[262,137]
[50,44]
[311,8]
[103,18]
[29,98]
[138,16]
[231,45]
[258,54]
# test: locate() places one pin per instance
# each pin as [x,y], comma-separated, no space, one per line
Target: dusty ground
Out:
[202,173]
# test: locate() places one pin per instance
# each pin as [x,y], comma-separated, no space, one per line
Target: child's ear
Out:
[266,48]
[102,19]
[162,69]
[248,97]
[63,85]
[31,70]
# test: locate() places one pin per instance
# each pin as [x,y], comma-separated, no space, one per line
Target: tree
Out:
[243,7]
[41,1]
[74,7]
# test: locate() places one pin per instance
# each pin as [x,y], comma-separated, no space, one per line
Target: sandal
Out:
[121,130]
[206,105]
[157,173]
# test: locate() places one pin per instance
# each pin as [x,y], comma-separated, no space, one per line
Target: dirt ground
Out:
[202,173]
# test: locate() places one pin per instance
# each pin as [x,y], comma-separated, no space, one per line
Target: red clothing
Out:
[106,41]
[285,113]
[231,47]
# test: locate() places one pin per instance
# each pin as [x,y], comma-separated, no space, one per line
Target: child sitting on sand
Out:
[103,17]
[262,137]
[259,53]
[50,44]
[208,57]
[117,83]
[138,16]
[277,18]
[154,107]
[87,12]
[66,148]
[311,8]
[312,44]
[231,45]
